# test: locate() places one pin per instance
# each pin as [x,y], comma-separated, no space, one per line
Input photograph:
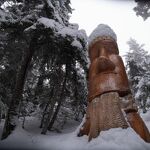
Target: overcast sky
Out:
[118,14]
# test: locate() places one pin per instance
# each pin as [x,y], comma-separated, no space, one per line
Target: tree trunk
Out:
[59,103]
[57,109]
[44,113]
[54,115]
[0,114]
[39,87]
[50,122]
[46,107]
[12,114]
[46,124]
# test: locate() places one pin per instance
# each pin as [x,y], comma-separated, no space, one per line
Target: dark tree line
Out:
[43,63]
[142,9]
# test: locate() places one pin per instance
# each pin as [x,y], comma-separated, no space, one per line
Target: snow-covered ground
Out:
[113,139]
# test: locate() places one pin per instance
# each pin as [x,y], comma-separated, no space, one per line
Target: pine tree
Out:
[138,63]
[49,40]
[142,9]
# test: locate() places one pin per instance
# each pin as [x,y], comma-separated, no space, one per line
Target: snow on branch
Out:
[70,31]
[4,16]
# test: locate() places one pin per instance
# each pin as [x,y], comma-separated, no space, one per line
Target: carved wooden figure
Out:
[109,92]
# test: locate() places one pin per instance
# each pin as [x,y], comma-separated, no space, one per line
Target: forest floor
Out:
[113,139]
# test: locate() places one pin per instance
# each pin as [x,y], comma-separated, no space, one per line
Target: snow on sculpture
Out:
[110,102]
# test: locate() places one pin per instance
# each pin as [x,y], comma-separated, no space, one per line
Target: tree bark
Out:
[59,102]
[46,107]
[12,114]
[39,87]
[55,115]
[44,113]
[0,114]
[46,124]
[49,123]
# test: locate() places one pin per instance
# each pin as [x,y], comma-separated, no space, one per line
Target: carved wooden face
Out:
[107,71]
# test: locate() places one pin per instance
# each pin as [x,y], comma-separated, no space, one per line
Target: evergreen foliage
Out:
[138,65]
[43,62]
[142,9]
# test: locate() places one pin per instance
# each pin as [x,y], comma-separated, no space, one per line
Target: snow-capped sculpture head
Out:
[102,36]
[107,71]
[102,30]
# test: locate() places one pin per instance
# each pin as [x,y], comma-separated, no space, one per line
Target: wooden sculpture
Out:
[109,93]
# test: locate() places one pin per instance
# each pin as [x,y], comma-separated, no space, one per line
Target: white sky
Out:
[118,14]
